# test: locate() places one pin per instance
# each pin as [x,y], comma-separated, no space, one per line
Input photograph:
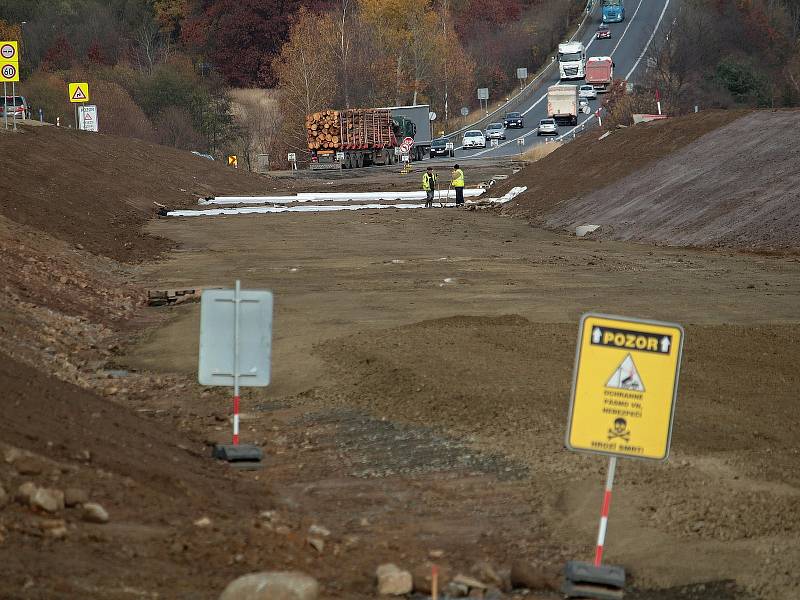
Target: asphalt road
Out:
[630,40]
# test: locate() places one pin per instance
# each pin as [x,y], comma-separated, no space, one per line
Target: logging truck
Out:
[359,137]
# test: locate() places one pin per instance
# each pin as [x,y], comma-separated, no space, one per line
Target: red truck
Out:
[600,72]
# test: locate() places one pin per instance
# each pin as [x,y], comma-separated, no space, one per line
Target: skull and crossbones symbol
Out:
[619,430]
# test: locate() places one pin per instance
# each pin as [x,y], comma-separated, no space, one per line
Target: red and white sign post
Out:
[658,100]
[601,534]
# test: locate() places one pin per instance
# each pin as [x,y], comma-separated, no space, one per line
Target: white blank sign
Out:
[217,338]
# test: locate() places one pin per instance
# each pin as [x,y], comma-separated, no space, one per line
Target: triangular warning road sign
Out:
[78,94]
[626,377]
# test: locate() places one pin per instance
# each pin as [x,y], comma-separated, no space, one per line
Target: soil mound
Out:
[736,187]
[98,190]
[587,164]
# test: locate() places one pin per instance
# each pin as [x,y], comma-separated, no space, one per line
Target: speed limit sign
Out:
[9,72]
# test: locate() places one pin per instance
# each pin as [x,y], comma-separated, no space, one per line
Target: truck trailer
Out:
[600,72]
[359,137]
[562,104]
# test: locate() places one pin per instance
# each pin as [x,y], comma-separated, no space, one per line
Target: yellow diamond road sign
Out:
[78,92]
[624,387]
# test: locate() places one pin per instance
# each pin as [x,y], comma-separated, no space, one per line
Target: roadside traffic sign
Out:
[9,51]
[624,387]
[233,161]
[87,118]
[407,144]
[9,72]
[78,92]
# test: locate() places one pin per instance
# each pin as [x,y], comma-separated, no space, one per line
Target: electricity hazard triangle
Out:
[78,94]
[626,377]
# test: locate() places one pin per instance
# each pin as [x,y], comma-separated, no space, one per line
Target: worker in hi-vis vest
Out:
[457,181]
[429,185]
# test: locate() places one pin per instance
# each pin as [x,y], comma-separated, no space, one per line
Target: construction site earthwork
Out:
[570,385]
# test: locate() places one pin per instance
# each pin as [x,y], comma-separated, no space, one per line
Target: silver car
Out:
[495,131]
[547,127]
[588,92]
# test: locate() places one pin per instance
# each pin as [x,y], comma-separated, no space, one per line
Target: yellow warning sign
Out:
[233,161]
[78,92]
[624,387]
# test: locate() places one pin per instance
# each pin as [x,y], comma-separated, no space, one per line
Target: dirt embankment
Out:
[736,187]
[713,179]
[98,190]
[579,168]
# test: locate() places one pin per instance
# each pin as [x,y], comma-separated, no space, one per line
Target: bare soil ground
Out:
[462,327]
[698,195]
[421,367]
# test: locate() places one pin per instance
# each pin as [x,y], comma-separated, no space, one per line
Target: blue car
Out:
[613,11]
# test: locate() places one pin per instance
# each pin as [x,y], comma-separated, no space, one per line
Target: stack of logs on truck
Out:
[358,137]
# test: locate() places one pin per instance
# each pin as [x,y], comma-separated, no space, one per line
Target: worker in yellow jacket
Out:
[457,181]
[429,185]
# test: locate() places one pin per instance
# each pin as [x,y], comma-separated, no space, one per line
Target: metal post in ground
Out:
[5,104]
[236,300]
[601,534]
[14,100]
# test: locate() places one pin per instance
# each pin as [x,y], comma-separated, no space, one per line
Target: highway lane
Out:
[644,20]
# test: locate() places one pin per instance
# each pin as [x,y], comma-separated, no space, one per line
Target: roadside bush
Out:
[118,113]
[174,127]
[48,92]
[744,83]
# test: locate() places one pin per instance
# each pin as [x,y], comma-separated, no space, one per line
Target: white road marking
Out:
[650,41]
[524,136]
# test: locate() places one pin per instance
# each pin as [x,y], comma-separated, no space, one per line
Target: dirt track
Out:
[465,323]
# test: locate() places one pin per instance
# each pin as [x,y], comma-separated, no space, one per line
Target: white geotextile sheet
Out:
[335,197]
[260,210]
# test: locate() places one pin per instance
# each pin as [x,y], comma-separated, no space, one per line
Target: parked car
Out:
[442,147]
[17,105]
[588,92]
[474,138]
[603,32]
[547,127]
[514,120]
[495,131]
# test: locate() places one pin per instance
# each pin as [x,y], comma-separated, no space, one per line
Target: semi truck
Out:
[359,137]
[419,116]
[600,72]
[562,104]
[571,60]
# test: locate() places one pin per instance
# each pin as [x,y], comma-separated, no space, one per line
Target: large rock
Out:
[25,492]
[393,581]
[276,585]
[48,499]
[534,577]
[94,513]
[485,572]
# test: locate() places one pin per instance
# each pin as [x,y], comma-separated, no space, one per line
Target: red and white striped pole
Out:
[601,534]
[237,294]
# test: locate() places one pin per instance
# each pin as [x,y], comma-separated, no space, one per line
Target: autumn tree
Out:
[306,75]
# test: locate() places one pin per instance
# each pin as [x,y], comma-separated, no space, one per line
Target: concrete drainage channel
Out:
[333,202]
